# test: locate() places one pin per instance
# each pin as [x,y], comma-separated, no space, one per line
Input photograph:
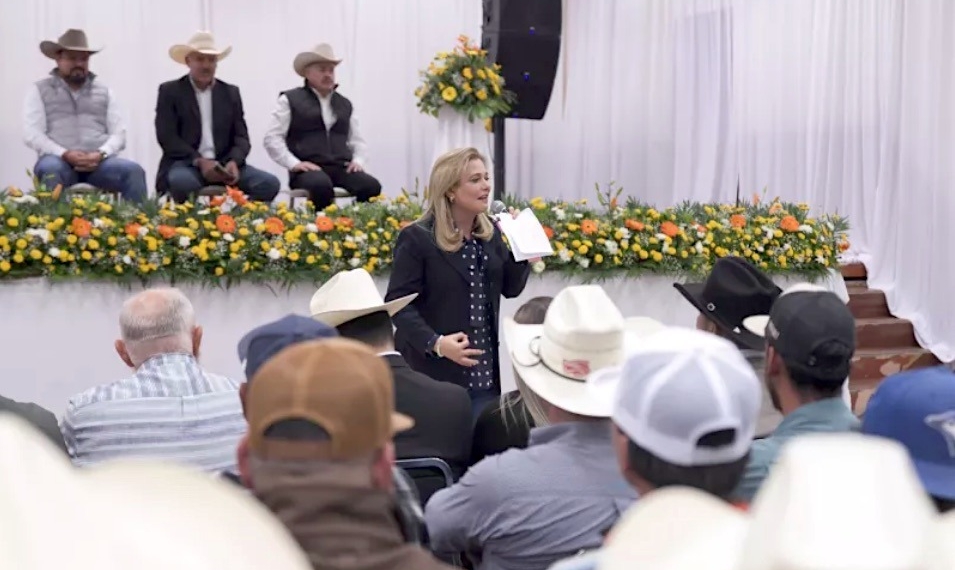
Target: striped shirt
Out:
[170,410]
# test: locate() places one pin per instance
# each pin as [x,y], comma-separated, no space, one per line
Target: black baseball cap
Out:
[262,343]
[802,322]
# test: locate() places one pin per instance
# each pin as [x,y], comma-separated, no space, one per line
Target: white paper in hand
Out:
[525,235]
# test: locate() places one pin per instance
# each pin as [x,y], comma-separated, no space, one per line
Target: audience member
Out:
[810,340]
[170,408]
[200,125]
[685,411]
[527,508]
[127,514]
[917,409]
[74,123]
[320,454]
[733,291]
[314,134]
[41,418]
[507,422]
[441,411]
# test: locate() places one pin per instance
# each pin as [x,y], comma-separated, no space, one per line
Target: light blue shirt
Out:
[529,508]
[824,416]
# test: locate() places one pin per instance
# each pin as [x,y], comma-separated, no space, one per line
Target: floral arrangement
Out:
[465,81]
[231,239]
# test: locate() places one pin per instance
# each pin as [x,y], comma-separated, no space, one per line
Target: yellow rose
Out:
[481,94]
[466,72]
[13,222]
[219,271]
[448,94]
[36,254]
[21,243]
[598,258]
[5,266]
[18,258]
[86,256]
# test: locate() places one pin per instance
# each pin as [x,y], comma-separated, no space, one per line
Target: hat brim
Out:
[307,58]
[574,396]
[938,479]
[179,52]
[51,49]
[336,318]
[693,292]
[400,423]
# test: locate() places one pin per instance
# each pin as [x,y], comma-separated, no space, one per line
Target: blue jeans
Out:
[113,173]
[185,180]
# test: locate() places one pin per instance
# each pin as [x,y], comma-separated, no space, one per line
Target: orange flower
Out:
[344,222]
[775,208]
[755,198]
[217,201]
[588,227]
[738,220]
[843,245]
[613,203]
[80,227]
[274,226]
[669,229]
[225,223]
[549,232]
[789,223]
[237,195]
[634,225]
[166,231]
[403,224]
[324,224]
[700,228]
[132,230]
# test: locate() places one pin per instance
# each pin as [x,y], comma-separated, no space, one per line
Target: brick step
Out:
[867,303]
[853,271]
[885,333]
[870,366]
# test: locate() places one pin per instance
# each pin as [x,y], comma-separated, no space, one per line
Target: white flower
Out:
[770,232]
[184,241]
[127,260]
[321,215]
[98,222]
[226,206]
[538,266]
[25,199]
[203,212]
[611,246]
[564,254]
[257,221]
[808,229]
[53,252]
[229,238]
[624,233]
[578,215]
[274,254]
[142,231]
[661,236]
[354,262]
[41,233]
[311,228]
[349,239]
[583,261]
[698,246]
[559,212]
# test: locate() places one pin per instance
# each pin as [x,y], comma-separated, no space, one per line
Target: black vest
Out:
[308,138]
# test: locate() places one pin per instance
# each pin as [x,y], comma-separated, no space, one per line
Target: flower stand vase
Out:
[455,131]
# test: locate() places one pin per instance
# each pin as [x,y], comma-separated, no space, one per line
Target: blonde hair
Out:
[526,403]
[445,177]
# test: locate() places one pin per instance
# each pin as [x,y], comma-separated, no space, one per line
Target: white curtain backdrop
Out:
[848,105]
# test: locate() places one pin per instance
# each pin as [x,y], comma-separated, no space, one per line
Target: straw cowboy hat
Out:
[321,53]
[349,295]
[200,42]
[676,528]
[583,332]
[845,501]
[110,517]
[71,40]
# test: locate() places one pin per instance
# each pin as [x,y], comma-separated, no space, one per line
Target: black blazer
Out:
[441,280]
[441,413]
[179,125]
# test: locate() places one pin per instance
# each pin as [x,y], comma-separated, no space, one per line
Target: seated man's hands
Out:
[306,166]
[81,161]
[233,169]
[211,174]
[354,167]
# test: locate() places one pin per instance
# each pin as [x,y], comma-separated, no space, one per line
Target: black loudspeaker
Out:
[524,37]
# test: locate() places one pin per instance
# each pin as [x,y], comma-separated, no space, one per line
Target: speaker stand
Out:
[497,124]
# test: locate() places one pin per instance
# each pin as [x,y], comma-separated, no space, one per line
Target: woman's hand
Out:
[454,347]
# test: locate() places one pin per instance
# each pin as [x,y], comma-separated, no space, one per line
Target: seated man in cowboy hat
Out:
[350,301]
[314,134]
[200,125]
[73,122]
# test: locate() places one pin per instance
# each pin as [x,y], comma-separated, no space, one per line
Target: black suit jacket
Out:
[442,281]
[42,419]
[179,125]
[442,416]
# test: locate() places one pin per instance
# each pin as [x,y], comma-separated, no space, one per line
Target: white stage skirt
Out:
[455,131]
[57,339]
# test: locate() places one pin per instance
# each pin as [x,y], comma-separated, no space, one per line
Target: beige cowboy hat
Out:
[583,332]
[349,295]
[321,53]
[200,42]
[71,40]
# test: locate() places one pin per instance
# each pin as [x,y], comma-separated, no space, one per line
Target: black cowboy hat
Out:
[733,291]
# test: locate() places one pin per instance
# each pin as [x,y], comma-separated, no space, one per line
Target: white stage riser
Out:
[58,338]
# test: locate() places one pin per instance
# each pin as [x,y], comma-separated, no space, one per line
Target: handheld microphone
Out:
[498,207]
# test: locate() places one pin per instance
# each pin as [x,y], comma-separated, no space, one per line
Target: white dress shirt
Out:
[279,123]
[34,121]
[207,145]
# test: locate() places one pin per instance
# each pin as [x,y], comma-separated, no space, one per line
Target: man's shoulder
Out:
[172,84]
[444,390]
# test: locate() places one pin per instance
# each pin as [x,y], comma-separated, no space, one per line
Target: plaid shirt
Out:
[169,410]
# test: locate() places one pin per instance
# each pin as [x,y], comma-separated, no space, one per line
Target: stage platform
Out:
[57,338]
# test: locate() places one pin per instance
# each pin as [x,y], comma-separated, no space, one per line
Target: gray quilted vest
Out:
[75,120]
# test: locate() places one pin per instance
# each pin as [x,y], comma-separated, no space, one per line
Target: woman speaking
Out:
[454,258]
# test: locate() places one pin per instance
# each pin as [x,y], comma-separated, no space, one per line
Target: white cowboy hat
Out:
[349,295]
[844,501]
[757,323]
[200,42]
[583,332]
[321,53]
[676,528]
[112,516]
[71,40]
